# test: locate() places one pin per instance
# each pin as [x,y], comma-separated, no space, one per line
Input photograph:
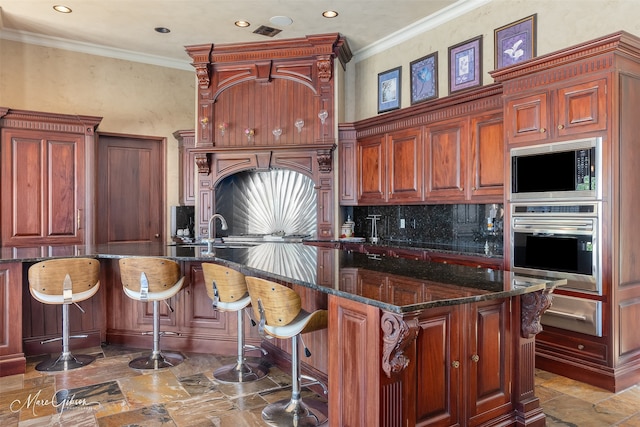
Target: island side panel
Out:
[354,363]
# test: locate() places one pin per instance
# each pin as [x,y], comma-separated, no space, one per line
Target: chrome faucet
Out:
[212,232]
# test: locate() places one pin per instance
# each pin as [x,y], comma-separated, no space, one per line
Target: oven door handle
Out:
[573,316]
[528,224]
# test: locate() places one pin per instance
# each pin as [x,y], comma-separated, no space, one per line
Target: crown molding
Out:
[92,49]
[427,23]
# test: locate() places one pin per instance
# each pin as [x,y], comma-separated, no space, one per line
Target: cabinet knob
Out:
[560,127]
[580,347]
[455,364]
[543,130]
[475,358]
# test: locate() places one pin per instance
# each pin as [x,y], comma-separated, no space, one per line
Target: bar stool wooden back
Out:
[227,289]
[279,309]
[64,281]
[152,279]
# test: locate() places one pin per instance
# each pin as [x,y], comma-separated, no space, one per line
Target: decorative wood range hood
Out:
[267,105]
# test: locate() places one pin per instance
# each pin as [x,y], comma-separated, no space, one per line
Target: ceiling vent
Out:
[266,31]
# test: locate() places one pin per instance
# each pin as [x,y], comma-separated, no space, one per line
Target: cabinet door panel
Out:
[582,108]
[446,151]
[43,188]
[527,118]
[487,157]
[198,307]
[371,170]
[489,358]
[438,368]
[348,194]
[405,165]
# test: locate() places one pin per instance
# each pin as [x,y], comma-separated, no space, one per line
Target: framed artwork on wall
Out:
[515,42]
[424,78]
[465,65]
[389,89]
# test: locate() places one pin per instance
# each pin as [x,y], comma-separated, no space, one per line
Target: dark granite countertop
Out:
[485,249]
[434,284]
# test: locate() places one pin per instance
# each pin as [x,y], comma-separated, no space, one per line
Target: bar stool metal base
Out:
[157,361]
[292,412]
[65,363]
[240,373]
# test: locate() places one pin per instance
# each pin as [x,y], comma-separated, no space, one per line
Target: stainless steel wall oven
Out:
[562,240]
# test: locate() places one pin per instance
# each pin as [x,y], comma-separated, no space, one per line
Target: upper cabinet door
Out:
[527,118]
[582,108]
[405,165]
[371,170]
[486,178]
[43,192]
[445,151]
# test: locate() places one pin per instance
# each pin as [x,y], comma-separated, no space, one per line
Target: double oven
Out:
[556,227]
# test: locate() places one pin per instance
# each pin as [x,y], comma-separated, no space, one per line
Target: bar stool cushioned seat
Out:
[64,281]
[152,279]
[279,309]
[228,290]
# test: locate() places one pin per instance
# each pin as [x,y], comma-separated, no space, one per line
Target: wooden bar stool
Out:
[280,312]
[152,279]
[228,290]
[64,281]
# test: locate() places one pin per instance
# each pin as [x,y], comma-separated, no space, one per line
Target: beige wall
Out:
[132,98]
[135,98]
[561,23]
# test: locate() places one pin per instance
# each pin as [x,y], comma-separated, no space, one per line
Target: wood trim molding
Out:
[50,122]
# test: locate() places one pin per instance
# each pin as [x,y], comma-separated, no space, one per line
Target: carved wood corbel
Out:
[533,306]
[204,75]
[202,163]
[398,333]
[325,160]
[325,67]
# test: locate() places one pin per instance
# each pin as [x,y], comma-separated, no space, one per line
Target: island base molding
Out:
[13,364]
[612,379]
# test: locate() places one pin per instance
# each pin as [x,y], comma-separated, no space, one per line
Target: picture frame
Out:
[515,42]
[465,65]
[389,89]
[424,78]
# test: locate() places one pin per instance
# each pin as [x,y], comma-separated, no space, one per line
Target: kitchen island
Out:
[408,343]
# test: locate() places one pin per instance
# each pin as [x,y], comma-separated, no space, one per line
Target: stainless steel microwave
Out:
[568,170]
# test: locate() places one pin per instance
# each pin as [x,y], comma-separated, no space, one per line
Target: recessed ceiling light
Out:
[282,21]
[242,24]
[162,30]
[62,9]
[329,13]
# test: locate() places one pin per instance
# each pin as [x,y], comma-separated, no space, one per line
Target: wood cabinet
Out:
[450,152]
[371,170]
[347,155]
[460,367]
[445,171]
[186,167]
[12,358]
[485,181]
[557,110]
[45,178]
[590,90]
[405,166]
[477,367]
[194,323]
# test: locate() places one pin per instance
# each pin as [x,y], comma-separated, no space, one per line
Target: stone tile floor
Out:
[108,393]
